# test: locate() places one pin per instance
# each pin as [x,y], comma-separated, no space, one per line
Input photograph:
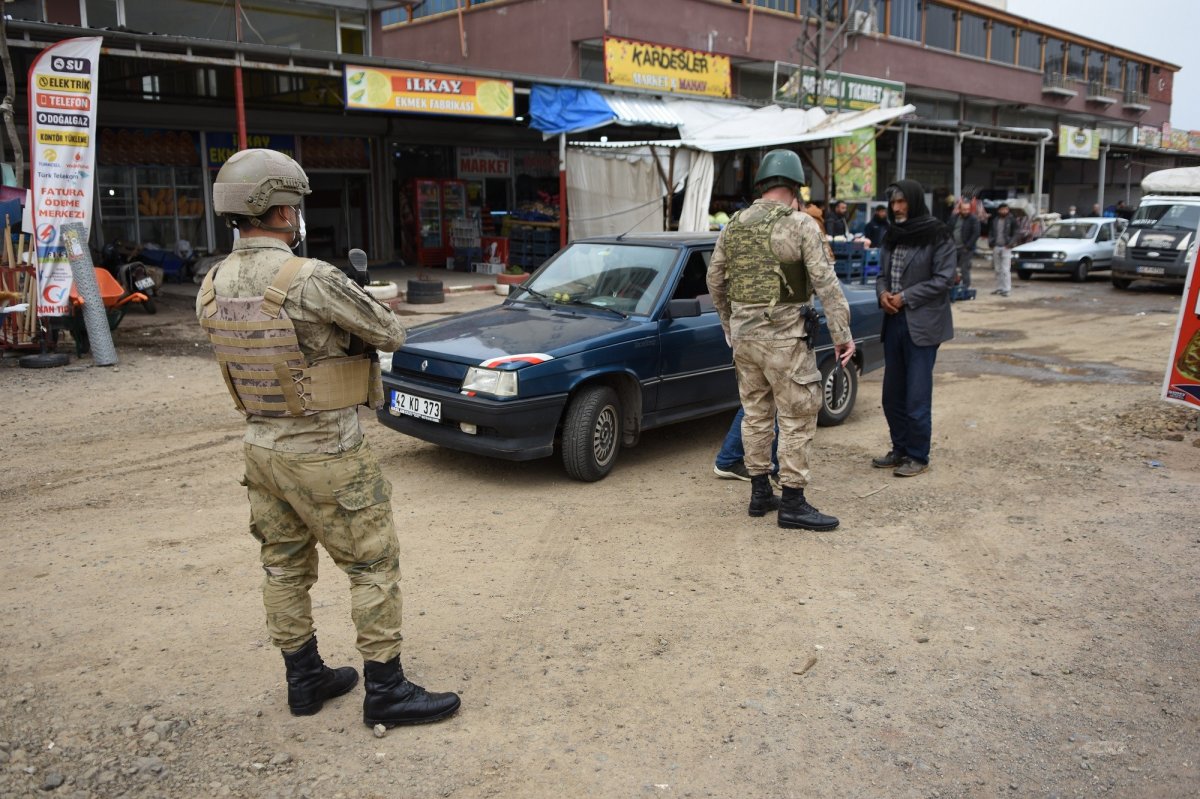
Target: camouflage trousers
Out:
[778,379]
[342,502]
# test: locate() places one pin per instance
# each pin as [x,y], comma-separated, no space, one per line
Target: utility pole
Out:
[6,107]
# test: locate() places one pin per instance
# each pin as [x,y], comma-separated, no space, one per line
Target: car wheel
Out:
[1081,271]
[591,433]
[839,388]
[1024,274]
[1121,283]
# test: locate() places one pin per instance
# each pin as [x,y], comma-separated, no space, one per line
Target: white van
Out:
[1160,242]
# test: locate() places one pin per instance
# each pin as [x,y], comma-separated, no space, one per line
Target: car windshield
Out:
[1070,231]
[623,277]
[1185,217]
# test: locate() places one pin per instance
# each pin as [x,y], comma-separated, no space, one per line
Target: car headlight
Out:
[1060,256]
[1016,256]
[1119,248]
[498,383]
[1184,243]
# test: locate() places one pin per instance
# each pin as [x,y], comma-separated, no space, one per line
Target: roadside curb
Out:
[402,297]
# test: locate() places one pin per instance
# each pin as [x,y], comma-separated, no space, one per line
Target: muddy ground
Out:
[1019,621]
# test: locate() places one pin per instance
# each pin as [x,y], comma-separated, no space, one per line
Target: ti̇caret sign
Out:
[62,144]
[663,68]
[401,91]
[1078,142]
[839,91]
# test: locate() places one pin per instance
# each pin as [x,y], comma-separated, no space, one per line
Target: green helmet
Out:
[779,168]
[253,181]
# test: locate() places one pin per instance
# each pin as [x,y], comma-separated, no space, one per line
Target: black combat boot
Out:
[392,700]
[762,498]
[310,682]
[795,512]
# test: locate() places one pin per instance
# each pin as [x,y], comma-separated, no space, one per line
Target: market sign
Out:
[854,165]
[663,68]
[401,91]
[1078,142]
[221,146]
[1181,383]
[475,163]
[62,143]
[839,90]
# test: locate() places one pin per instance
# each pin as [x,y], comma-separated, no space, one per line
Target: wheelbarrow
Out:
[116,302]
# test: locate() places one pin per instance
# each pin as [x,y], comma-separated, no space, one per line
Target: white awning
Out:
[632,110]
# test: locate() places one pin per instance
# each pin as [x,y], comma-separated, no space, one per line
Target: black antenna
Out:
[622,236]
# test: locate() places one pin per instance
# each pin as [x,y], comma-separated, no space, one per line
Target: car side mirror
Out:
[682,309]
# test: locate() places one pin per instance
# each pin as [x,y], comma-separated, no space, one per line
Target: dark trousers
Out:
[907,388]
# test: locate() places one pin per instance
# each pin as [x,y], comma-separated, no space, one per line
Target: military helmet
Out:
[780,168]
[253,181]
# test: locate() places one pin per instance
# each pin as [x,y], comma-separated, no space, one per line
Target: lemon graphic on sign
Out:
[379,89]
[494,98]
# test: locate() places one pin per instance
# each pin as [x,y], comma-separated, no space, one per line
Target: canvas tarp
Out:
[610,193]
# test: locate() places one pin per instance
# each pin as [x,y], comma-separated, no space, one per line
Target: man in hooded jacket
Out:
[917,264]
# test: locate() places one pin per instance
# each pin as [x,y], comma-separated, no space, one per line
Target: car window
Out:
[626,277]
[1105,233]
[694,280]
[1070,230]
[1185,217]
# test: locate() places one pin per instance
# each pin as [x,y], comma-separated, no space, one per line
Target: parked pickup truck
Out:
[610,337]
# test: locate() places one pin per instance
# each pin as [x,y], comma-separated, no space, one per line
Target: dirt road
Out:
[1019,621]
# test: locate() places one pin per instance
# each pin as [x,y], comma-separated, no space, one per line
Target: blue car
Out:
[611,337]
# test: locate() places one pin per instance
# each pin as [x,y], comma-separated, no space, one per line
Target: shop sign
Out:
[1078,142]
[1181,383]
[839,91]
[376,89]
[62,133]
[854,165]
[1149,136]
[222,146]
[147,147]
[535,163]
[475,163]
[663,68]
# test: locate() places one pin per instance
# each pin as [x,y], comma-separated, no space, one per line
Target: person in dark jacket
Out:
[877,228]
[835,223]
[1003,235]
[917,263]
[965,229]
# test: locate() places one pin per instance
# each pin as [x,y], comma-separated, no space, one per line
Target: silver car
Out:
[1072,247]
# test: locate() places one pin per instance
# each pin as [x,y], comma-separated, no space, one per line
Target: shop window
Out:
[206,82]
[352,33]
[973,36]
[1004,43]
[905,21]
[393,16]
[1031,50]
[274,22]
[1132,76]
[1076,59]
[101,13]
[940,27]
[25,9]
[150,90]
[777,5]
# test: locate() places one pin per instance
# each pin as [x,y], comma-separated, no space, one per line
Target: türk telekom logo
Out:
[46,234]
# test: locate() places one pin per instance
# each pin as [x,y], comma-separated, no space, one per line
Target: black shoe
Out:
[734,471]
[392,700]
[762,498]
[796,513]
[888,461]
[310,682]
[910,468]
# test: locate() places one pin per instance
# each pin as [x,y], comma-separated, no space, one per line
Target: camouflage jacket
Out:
[794,238]
[326,308]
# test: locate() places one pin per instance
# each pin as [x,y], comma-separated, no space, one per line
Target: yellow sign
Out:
[663,68]
[64,83]
[63,138]
[426,93]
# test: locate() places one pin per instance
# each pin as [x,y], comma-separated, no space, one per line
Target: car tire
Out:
[424,292]
[839,389]
[591,433]
[1024,274]
[1121,283]
[1080,275]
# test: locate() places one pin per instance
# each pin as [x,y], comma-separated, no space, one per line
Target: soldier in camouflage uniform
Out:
[767,263]
[282,330]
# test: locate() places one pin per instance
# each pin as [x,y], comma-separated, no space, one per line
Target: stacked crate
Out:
[531,245]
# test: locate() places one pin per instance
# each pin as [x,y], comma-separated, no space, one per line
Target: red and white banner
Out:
[62,138]
[1182,381]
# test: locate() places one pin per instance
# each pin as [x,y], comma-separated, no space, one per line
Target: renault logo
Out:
[425,364]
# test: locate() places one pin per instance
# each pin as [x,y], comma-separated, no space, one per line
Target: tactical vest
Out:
[260,358]
[755,274]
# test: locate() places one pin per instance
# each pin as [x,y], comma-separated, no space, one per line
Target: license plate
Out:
[144,283]
[1032,265]
[1151,270]
[409,405]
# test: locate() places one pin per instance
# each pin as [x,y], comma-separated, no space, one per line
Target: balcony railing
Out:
[1097,92]
[1058,83]
[1136,101]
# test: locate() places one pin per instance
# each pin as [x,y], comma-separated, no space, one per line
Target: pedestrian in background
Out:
[917,265]
[1003,236]
[877,227]
[836,224]
[964,229]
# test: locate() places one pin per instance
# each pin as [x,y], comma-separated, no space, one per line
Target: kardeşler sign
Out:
[1078,142]
[663,68]
[62,138]
[401,91]
[839,91]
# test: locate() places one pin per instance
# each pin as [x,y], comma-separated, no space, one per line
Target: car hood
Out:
[517,328]
[1057,245]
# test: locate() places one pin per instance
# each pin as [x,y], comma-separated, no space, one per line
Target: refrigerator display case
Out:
[438,203]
